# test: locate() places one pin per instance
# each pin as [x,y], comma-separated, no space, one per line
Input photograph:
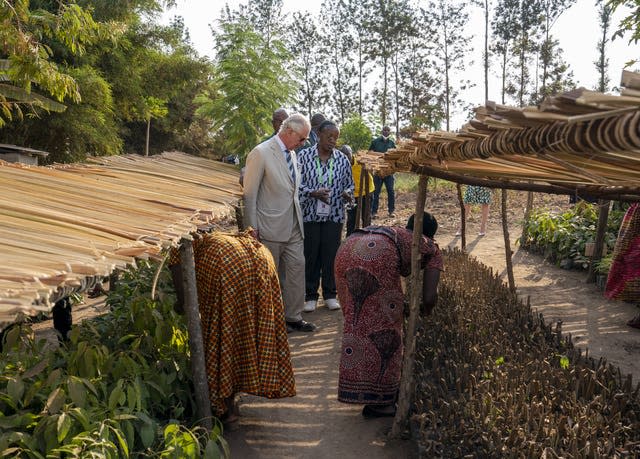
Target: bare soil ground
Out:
[314,425]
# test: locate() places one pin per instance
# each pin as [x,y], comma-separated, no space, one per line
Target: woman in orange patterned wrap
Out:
[242,313]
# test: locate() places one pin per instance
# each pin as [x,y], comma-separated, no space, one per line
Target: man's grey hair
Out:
[296,122]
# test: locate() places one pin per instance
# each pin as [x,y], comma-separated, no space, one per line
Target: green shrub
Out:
[355,133]
[121,387]
[563,236]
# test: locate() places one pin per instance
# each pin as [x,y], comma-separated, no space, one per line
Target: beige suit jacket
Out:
[270,195]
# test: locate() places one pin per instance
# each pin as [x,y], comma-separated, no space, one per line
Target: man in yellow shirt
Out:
[364,188]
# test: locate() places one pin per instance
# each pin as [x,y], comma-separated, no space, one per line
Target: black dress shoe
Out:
[301,325]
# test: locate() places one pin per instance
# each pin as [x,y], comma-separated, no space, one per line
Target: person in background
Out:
[277,118]
[242,314]
[369,264]
[326,184]
[477,195]
[365,192]
[272,209]
[381,145]
[623,281]
[316,121]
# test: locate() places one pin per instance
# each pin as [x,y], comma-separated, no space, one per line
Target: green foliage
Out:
[563,236]
[355,133]
[27,61]
[110,391]
[250,81]
[630,23]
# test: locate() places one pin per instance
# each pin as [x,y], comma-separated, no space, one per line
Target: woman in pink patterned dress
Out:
[368,267]
[623,281]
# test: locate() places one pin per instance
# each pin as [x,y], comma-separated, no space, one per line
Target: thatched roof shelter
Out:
[577,142]
[63,226]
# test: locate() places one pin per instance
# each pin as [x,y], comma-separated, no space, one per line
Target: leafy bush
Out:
[563,236]
[355,133]
[121,387]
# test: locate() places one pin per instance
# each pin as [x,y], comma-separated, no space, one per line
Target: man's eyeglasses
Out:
[302,139]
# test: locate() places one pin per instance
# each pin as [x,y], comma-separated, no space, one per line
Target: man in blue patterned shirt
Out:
[326,184]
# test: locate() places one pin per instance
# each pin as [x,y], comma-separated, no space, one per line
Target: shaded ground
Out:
[314,425]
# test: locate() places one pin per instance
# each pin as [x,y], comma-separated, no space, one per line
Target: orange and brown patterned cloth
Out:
[242,313]
[623,282]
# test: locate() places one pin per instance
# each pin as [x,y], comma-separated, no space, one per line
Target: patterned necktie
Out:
[292,171]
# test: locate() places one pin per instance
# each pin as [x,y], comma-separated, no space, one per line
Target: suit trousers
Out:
[289,259]
[321,243]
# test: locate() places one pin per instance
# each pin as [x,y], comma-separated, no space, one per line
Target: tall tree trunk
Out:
[447,93]
[486,50]
[383,107]
[504,73]
[397,92]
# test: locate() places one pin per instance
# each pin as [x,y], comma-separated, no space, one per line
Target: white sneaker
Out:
[332,304]
[310,306]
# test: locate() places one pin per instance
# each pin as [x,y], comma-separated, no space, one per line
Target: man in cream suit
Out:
[272,209]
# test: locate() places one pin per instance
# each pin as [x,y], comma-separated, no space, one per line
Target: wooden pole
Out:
[601,229]
[198,366]
[527,216]
[366,208]
[507,243]
[463,219]
[406,381]
[360,200]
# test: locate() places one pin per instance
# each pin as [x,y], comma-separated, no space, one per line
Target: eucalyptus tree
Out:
[486,7]
[265,16]
[550,52]
[420,90]
[388,24]
[339,48]
[605,11]
[504,34]
[357,16]
[310,61]
[529,15]
[250,80]
[451,52]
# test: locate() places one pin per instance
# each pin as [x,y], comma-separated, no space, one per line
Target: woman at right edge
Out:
[368,267]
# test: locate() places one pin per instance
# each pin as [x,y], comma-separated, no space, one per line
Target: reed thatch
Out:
[63,227]
[580,141]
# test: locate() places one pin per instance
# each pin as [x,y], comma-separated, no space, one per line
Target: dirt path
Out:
[313,425]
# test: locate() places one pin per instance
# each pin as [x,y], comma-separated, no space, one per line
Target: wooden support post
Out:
[366,220]
[507,243]
[198,367]
[407,381]
[360,200]
[527,216]
[601,229]
[463,218]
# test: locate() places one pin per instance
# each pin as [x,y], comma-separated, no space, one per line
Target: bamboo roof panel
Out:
[576,140]
[65,226]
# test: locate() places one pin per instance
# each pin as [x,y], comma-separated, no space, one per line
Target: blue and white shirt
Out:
[335,174]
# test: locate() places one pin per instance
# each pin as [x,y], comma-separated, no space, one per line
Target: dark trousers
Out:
[321,241]
[365,214]
[388,184]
